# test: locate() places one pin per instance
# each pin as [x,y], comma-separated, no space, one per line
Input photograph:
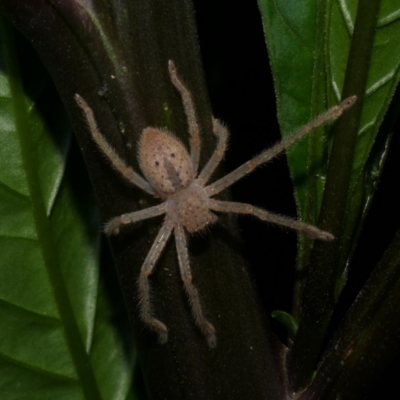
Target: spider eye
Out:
[157,163]
[172,154]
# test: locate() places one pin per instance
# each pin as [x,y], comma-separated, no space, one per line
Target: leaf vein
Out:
[346,17]
[43,317]
[290,29]
[41,371]
[389,19]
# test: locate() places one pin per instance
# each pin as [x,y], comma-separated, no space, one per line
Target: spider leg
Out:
[105,147]
[241,208]
[206,327]
[329,115]
[146,312]
[190,112]
[222,134]
[113,226]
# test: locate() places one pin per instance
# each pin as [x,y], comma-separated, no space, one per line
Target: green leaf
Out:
[383,71]
[298,70]
[383,77]
[296,40]
[318,55]
[287,321]
[57,339]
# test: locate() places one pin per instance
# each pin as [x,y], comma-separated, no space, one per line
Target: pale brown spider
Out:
[172,175]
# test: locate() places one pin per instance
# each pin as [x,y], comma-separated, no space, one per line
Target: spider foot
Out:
[208,330]
[163,336]
[158,327]
[112,227]
[315,233]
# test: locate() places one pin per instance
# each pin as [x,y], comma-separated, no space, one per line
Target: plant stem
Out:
[318,298]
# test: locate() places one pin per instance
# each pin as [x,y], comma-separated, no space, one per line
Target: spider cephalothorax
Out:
[172,175]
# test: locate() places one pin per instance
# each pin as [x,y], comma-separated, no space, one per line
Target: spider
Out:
[172,175]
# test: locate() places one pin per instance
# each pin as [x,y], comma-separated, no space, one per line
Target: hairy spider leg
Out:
[190,113]
[126,171]
[329,115]
[145,308]
[242,208]
[222,133]
[113,226]
[205,326]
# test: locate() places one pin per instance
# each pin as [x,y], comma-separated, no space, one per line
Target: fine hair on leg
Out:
[190,112]
[145,307]
[241,208]
[205,326]
[222,133]
[267,155]
[113,226]
[116,161]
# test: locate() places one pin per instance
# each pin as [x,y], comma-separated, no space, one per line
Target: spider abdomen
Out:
[164,161]
[189,208]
